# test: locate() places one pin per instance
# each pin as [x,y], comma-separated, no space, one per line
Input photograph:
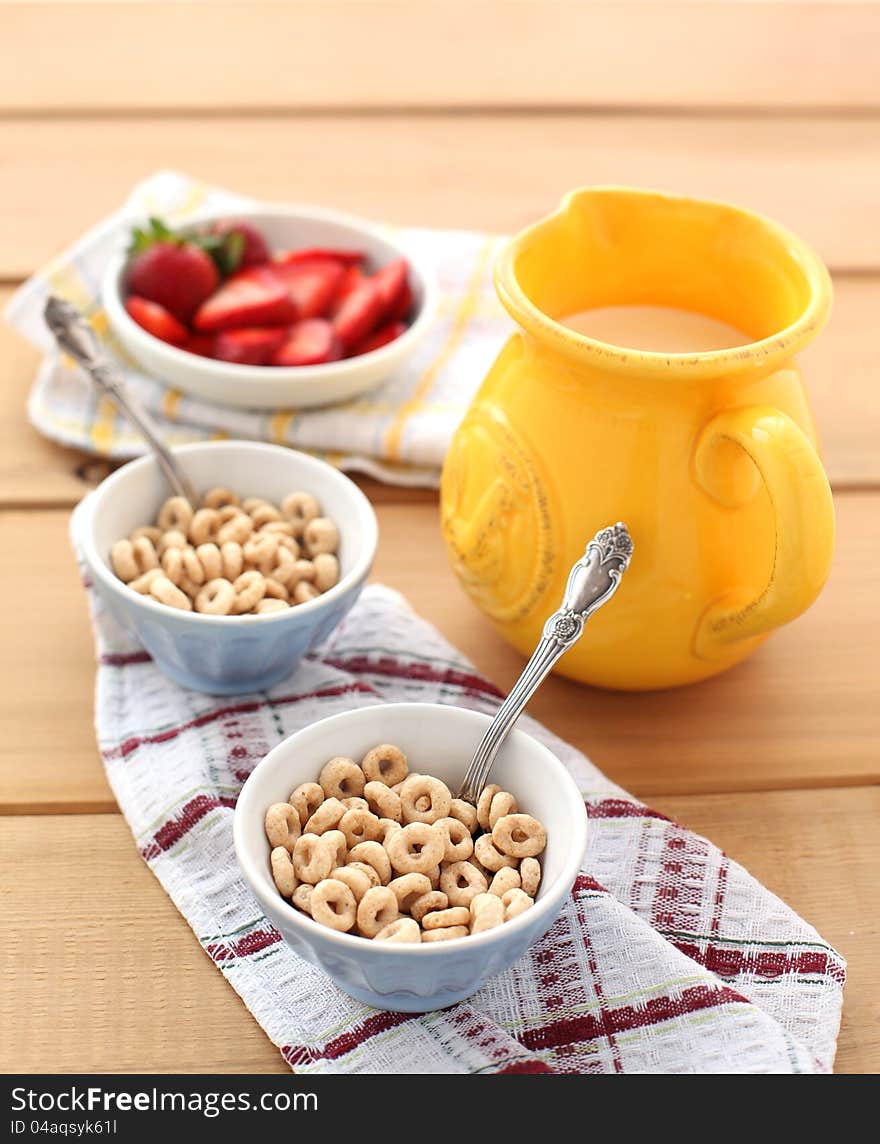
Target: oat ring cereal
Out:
[445,934]
[327,816]
[424,799]
[132,558]
[232,558]
[306,798]
[484,804]
[175,513]
[332,904]
[519,835]
[461,882]
[250,588]
[282,825]
[301,897]
[443,919]
[402,930]
[375,855]
[506,879]
[503,803]
[376,909]
[342,778]
[300,508]
[530,875]
[283,875]
[358,826]
[416,849]
[385,764]
[238,526]
[313,859]
[219,497]
[356,880]
[216,598]
[407,888]
[204,525]
[515,903]
[428,903]
[459,845]
[320,535]
[173,538]
[366,850]
[488,854]
[383,801]
[487,912]
[166,592]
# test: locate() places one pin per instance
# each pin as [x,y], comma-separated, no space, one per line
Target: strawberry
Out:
[306,254]
[312,283]
[391,282]
[381,337]
[252,297]
[400,311]
[254,346]
[352,277]
[201,344]
[169,270]
[156,320]
[310,342]
[243,240]
[358,314]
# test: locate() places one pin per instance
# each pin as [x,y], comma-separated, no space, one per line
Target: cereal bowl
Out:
[439,740]
[226,655]
[279,387]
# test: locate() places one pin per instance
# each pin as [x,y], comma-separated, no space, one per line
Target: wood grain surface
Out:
[105,986]
[777,761]
[437,53]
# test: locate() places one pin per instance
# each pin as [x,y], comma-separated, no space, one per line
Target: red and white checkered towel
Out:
[668,957]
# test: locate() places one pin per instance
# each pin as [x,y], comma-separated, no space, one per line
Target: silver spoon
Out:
[76,337]
[593,580]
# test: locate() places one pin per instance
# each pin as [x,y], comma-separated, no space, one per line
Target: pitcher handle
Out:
[792,473]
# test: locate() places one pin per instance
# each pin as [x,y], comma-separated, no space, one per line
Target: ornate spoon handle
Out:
[593,580]
[76,337]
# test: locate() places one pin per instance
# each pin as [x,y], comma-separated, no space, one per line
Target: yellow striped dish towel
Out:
[397,433]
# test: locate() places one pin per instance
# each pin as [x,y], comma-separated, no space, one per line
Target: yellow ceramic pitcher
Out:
[710,458]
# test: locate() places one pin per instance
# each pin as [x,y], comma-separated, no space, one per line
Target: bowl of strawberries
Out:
[278,307]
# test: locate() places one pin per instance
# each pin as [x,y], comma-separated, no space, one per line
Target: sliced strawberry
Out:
[291,257]
[358,314]
[381,337]
[254,346]
[312,283]
[201,344]
[310,342]
[156,320]
[352,277]
[400,311]
[253,248]
[177,275]
[253,297]
[391,281]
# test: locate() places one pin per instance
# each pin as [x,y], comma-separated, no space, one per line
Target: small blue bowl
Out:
[228,655]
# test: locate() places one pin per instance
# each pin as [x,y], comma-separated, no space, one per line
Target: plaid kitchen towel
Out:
[398,433]
[668,956]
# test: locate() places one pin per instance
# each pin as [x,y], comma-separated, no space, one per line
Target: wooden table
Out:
[776,761]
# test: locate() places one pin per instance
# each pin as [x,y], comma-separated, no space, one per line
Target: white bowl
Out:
[280,387]
[437,740]
[227,655]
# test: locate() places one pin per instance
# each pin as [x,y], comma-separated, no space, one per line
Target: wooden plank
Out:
[839,370]
[445,53]
[110,963]
[800,713]
[485,172]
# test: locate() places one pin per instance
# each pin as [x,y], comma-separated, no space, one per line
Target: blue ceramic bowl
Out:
[227,655]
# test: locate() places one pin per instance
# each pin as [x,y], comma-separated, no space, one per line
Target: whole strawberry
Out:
[167,269]
[246,238]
